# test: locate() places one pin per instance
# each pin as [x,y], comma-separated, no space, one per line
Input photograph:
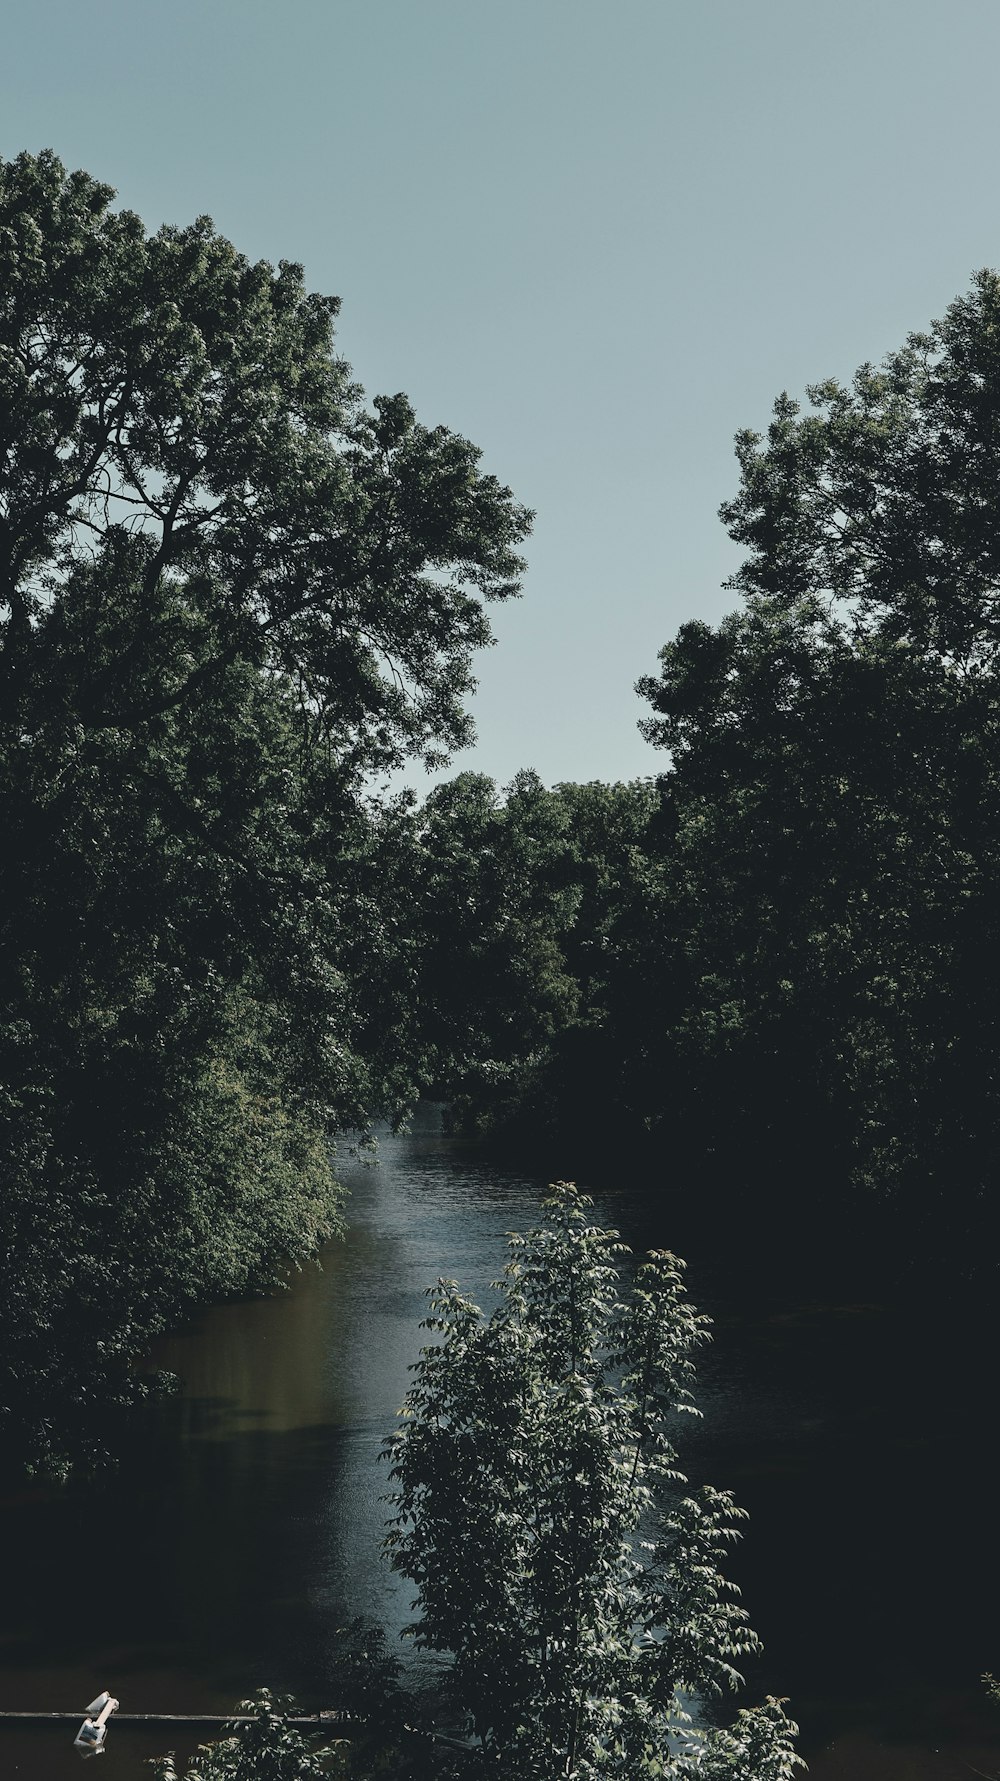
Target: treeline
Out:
[233,597]
[779,958]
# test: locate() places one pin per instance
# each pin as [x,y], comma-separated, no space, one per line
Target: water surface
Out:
[243,1526]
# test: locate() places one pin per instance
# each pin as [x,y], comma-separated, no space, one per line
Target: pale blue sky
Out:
[596,236]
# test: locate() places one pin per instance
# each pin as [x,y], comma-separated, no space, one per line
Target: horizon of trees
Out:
[780,956]
[231,593]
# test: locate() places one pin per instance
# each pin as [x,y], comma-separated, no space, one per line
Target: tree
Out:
[230,594]
[881,501]
[828,981]
[581,1081]
[558,1555]
[180,439]
[493,898]
[508,913]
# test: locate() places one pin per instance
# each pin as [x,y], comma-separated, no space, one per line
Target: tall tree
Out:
[834,767]
[880,499]
[229,593]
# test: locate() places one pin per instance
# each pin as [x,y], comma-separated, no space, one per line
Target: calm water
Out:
[243,1527]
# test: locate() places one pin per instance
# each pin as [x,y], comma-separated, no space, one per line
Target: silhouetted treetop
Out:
[173,414]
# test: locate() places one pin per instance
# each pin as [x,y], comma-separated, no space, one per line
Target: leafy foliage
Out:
[881,499]
[263,1747]
[785,950]
[492,898]
[558,1554]
[833,777]
[229,594]
[500,906]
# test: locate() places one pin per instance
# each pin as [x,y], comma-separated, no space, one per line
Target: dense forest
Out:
[235,598]
[234,594]
[783,947]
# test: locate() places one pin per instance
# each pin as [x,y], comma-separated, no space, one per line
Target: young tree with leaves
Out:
[559,1556]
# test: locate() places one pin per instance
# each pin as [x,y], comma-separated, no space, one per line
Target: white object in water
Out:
[90,1738]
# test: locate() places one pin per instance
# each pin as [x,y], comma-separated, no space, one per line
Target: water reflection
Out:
[244,1524]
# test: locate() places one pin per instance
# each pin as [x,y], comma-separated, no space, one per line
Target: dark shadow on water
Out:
[199,1571]
[850,1410]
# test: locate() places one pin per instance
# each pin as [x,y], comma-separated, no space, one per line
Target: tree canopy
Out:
[834,764]
[782,955]
[230,593]
[880,500]
[185,455]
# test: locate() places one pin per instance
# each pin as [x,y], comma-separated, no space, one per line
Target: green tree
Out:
[580,1081]
[229,594]
[825,979]
[492,896]
[880,499]
[558,1554]
[509,909]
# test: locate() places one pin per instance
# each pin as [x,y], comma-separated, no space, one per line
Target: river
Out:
[242,1527]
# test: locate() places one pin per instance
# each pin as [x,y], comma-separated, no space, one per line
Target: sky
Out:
[596,237]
